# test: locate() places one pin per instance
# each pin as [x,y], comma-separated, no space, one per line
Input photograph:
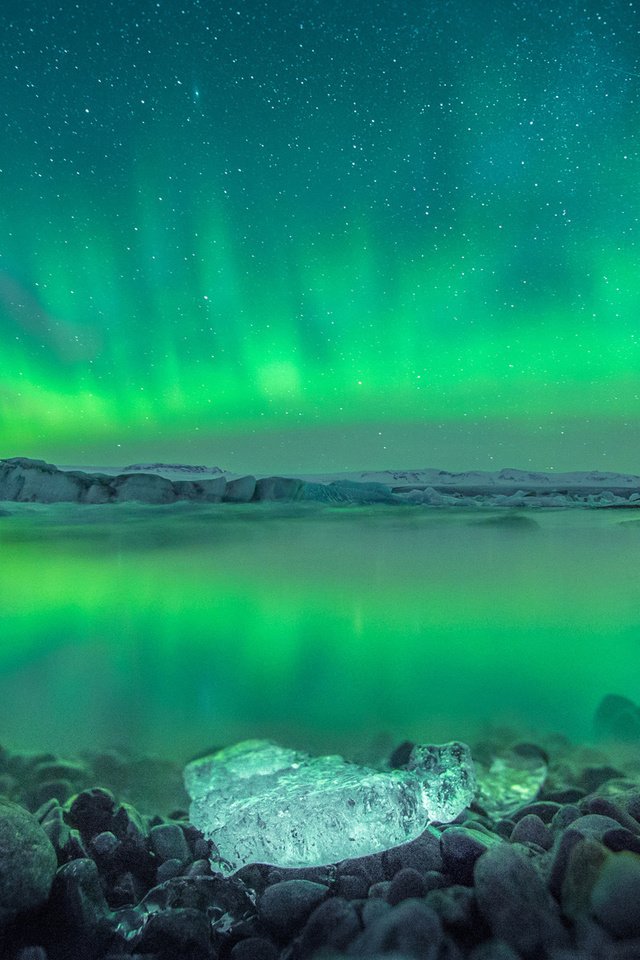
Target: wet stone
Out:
[508,888]
[617,840]
[406,883]
[91,811]
[460,848]
[410,929]
[616,894]
[27,862]
[168,842]
[531,829]
[331,927]
[181,932]
[286,905]
[254,948]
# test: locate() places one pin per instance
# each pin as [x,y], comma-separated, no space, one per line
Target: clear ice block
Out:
[262,803]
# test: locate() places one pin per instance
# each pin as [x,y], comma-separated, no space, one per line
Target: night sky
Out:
[280,235]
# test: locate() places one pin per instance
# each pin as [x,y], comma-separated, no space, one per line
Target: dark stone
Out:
[182,932]
[434,880]
[59,834]
[615,896]
[168,842]
[73,848]
[530,751]
[332,926]
[594,777]
[379,890]
[285,906]
[406,884]
[584,864]
[609,808]
[566,795]
[564,817]
[400,756]
[531,829]
[126,891]
[91,811]
[617,840]
[59,790]
[373,909]
[351,886]
[498,950]
[410,929]
[28,862]
[545,809]
[254,948]
[371,868]
[199,868]
[32,953]
[617,718]
[460,848]
[504,827]
[594,825]
[168,869]
[456,906]
[77,913]
[105,844]
[515,902]
[564,844]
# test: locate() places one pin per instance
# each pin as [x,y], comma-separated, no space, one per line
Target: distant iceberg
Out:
[35,481]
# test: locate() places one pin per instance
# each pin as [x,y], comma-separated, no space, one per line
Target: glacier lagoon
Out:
[178,628]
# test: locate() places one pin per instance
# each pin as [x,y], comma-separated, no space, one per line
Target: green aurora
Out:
[320,235]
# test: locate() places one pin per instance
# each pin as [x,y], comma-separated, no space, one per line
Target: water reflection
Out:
[169,628]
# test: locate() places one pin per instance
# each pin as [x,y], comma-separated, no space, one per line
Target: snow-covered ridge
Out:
[184,469]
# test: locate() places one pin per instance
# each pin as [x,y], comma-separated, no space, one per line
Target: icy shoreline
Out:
[26,480]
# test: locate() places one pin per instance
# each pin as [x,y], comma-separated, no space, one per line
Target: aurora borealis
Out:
[289,235]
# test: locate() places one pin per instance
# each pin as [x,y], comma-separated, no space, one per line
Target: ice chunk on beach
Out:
[262,803]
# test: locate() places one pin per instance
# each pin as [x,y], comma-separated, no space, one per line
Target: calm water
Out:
[176,628]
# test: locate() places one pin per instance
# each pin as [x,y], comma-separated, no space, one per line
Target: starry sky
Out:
[321,234]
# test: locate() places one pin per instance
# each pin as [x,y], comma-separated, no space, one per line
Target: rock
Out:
[545,809]
[351,886]
[606,807]
[28,862]
[286,905]
[456,906]
[421,854]
[531,829]
[410,929]
[168,869]
[168,842]
[240,490]
[406,884]
[331,927]
[182,932]
[617,840]
[584,865]
[617,718]
[278,488]
[515,903]
[254,948]
[77,913]
[91,811]
[460,848]
[496,950]
[615,896]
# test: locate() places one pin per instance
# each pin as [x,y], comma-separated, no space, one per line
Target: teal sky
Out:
[282,235]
